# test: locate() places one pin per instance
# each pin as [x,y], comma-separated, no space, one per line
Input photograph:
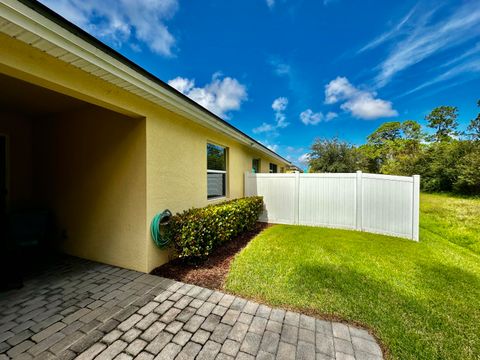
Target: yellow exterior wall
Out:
[175,171]
[177,168]
[90,169]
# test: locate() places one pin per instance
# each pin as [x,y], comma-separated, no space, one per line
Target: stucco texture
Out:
[147,161]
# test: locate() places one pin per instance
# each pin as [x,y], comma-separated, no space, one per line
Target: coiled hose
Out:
[161,219]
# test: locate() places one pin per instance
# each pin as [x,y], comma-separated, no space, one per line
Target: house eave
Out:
[38,26]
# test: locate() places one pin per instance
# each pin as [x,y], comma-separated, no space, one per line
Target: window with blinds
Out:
[216,171]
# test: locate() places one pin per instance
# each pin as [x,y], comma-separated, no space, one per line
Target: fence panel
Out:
[327,200]
[387,205]
[278,191]
[366,202]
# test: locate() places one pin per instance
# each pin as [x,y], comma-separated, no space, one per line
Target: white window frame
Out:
[224,196]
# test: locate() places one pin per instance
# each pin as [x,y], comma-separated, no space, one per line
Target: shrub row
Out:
[196,232]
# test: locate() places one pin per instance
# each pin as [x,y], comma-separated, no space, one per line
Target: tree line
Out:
[448,160]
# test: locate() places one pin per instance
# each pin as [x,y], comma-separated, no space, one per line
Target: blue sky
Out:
[287,72]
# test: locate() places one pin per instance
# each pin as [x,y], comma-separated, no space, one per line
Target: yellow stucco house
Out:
[104,144]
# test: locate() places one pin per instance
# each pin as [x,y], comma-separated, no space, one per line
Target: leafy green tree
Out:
[445,164]
[388,131]
[410,147]
[473,129]
[412,130]
[404,159]
[380,144]
[443,120]
[369,158]
[333,155]
[440,164]
[393,148]
[468,178]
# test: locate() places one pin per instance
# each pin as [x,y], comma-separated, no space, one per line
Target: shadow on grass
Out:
[455,280]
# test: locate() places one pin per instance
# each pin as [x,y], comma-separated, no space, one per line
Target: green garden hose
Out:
[161,219]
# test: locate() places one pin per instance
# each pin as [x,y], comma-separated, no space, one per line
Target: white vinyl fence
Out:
[382,204]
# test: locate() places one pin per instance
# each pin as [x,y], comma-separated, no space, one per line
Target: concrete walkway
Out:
[85,310]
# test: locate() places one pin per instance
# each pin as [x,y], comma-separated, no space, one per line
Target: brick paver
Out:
[82,309]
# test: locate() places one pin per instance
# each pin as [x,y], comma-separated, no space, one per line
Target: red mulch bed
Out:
[213,271]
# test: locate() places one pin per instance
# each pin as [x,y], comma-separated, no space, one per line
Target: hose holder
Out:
[159,221]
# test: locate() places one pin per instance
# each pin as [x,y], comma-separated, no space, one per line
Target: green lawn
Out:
[455,219]
[422,299]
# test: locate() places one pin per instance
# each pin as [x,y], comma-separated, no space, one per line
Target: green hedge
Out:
[196,232]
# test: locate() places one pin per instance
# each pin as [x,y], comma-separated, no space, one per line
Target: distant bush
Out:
[196,232]
[447,157]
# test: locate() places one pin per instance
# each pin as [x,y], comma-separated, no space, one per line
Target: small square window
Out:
[273,168]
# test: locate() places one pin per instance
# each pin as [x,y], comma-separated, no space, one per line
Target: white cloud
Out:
[362,104]
[270,3]
[308,117]
[220,96]
[295,150]
[471,67]
[296,83]
[467,63]
[273,147]
[339,89]
[182,84]
[430,36]
[281,120]
[280,68]
[304,159]
[121,21]
[296,155]
[466,55]
[279,106]
[394,32]
[365,106]
[265,127]
[331,115]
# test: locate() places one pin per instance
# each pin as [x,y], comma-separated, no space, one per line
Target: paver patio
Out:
[85,310]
